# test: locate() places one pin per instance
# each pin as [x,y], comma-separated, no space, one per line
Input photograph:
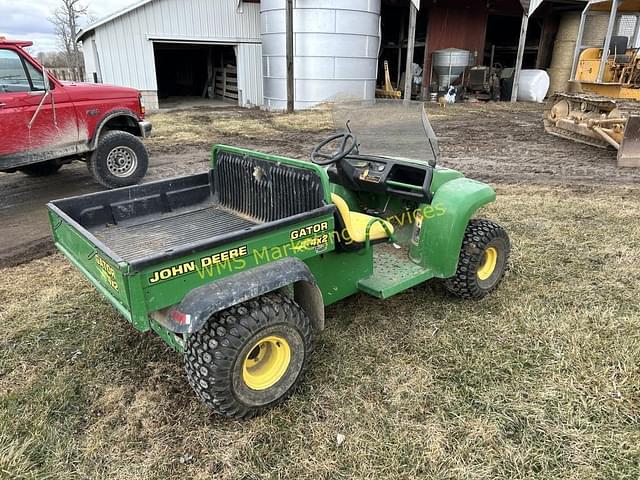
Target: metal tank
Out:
[450,63]
[336,45]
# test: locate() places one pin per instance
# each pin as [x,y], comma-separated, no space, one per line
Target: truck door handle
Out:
[3,105]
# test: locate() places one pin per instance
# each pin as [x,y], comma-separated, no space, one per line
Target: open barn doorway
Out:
[501,48]
[194,74]
[503,36]
[394,45]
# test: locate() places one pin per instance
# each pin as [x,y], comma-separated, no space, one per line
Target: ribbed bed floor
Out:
[136,241]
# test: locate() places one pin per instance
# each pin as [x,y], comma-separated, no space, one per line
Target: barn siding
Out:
[249,58]
[88,50]
[461,24]
[125,44]
[454,27]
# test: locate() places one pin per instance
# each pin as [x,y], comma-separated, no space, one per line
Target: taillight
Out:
[142,107]
[179,317]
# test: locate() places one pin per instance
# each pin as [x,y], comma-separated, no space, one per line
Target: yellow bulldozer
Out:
[604,110]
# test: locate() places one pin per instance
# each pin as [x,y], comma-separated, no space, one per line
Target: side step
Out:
[392,274]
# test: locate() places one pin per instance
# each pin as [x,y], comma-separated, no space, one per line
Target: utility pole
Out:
[290,77]
[520,58]
[408,77]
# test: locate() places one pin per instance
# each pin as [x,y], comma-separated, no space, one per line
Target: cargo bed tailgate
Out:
[92,258]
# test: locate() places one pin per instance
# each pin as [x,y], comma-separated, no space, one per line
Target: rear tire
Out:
[43,169]
[120,160]
[250,357]
[484,259]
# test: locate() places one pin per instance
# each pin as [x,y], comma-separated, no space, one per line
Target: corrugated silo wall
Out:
[336,46]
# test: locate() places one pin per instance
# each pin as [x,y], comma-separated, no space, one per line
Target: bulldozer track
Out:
[588,103]
[568,135]
[628,107]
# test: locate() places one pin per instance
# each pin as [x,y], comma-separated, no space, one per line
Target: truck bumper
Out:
[145,129]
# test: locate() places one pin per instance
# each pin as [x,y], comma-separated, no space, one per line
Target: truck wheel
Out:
[250,357]
[120,160]
[483,260]
[42,169]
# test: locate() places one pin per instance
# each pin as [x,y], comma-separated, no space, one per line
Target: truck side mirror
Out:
[45,79]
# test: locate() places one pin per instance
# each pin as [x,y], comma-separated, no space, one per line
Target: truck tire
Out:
[42,169]
[120,160]
[483,261]
[250,357]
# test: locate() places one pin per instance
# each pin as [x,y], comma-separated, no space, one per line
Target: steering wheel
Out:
[348,145]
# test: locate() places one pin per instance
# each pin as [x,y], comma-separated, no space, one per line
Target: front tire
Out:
[250,357]
[120,160]
[42,169]
[483,261]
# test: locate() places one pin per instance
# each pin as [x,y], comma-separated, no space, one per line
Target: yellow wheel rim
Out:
[266,363]
[488,263]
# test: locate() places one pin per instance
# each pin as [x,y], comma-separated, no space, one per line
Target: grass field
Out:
[541,380]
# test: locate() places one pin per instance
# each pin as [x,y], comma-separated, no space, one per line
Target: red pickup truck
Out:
[45,123]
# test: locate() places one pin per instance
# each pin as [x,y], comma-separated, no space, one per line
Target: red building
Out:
[498,29]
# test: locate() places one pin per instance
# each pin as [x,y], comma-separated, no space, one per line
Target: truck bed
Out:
[168,232]
[156,222]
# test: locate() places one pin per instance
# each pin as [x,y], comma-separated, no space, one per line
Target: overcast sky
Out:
[27,19]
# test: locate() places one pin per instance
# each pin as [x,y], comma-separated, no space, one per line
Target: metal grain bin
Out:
[336,46]
[450,63]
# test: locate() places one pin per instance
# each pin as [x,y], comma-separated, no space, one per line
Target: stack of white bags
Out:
[533,86]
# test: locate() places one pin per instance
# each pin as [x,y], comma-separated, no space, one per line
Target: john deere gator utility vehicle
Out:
[233,267]
[606,112]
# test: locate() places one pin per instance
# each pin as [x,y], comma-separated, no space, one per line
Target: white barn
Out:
[177,48]
[235,50]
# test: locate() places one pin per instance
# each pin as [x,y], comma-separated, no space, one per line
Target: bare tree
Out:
[66,20]
[53,59]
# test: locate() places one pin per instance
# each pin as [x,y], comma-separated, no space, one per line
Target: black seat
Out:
[618,49]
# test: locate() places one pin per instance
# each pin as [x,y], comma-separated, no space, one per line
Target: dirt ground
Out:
[496,142]
[505,143]
[499,143]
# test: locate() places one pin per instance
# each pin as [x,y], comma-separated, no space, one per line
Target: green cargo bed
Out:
[145,246]
[133,241]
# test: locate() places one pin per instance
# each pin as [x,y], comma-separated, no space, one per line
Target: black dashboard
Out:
[375,174]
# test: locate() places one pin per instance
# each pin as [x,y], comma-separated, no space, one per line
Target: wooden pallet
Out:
[225,81]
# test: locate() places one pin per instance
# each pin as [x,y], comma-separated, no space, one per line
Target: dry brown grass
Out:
[541,380]
[206,126]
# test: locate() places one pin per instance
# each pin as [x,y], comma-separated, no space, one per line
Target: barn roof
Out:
[89,28]
[527,5]
[85,31]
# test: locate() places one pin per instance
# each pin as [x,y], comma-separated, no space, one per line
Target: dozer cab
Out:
[605,110]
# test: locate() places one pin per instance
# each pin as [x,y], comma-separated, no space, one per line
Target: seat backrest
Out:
[265,190]
[618,45]
[343,210]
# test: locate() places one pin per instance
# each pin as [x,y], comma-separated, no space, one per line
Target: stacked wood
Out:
[225,82]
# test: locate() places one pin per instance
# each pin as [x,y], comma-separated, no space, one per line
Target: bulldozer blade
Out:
[629,152]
